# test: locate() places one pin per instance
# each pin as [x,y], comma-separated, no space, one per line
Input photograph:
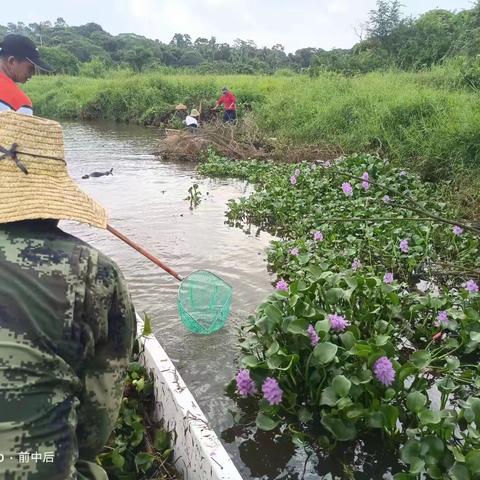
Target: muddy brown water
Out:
[145,199]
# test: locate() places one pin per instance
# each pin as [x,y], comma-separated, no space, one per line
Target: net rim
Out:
[205,271]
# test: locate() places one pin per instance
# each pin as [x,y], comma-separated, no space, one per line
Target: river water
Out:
[145,199]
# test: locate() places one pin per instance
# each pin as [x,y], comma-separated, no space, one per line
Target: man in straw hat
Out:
[19,58]
[67,321]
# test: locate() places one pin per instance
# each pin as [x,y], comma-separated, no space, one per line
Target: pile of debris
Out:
[241,141]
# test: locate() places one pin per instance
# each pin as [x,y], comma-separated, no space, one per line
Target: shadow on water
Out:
[145,199]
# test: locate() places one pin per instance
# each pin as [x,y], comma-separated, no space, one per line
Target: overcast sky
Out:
[292,23]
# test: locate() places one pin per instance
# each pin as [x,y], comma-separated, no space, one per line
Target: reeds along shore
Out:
[424,120]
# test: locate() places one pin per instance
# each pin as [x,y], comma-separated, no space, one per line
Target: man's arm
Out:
[105,373]
[219,102]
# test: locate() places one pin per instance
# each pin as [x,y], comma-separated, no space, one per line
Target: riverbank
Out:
[424,121]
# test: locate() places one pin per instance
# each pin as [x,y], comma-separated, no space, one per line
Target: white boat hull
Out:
[198,452]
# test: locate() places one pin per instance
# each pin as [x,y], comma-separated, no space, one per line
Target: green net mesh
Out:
[204,302]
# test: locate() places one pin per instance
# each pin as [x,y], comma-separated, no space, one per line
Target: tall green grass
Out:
[421,119]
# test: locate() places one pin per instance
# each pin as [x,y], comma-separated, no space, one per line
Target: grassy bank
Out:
[416,119]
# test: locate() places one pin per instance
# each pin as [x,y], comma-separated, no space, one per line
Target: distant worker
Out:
[191,121]
[19,57]
[180,112]
[229,102]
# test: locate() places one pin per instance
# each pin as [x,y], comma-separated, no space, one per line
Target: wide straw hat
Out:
[194,113]
[34,182]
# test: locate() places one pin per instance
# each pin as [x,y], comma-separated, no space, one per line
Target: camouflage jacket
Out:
[67,329]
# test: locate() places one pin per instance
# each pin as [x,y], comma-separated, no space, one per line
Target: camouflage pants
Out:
[53,423]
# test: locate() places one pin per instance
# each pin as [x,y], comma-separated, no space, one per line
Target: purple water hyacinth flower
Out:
[457,230]
[327,163]
[384,371]
[386,199]
[442,317]
[347,189]
[318,236]
[404,245]
[388,278]
[293,179]
[337,322]
[356,264]
[282,285]
[403,173]
[313,335]
[297,172]
[365,183]
[245,385]
[294,251]
[472,286]
[272,393]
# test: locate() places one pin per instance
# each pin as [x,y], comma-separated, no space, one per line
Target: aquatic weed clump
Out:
[372,319]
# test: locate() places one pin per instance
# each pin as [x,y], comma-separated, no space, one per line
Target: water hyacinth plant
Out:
[271,391]
[351,342]
[356,264]
[404,247]
[388,278]
[312,333]
[282,285]
[347,189]
[245,385]
[384,371]
[337,322]
[472,286]
[365,183]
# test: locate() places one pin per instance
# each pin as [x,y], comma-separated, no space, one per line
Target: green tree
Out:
[95,68]
[139,57]
[181,40]
[59,58]
[385,19]
[190,58]
[426,41]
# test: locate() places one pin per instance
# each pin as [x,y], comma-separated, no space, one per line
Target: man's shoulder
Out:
[11,95]
[78,247]
[51,249]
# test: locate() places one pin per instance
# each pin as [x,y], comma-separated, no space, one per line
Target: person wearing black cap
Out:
[19,58]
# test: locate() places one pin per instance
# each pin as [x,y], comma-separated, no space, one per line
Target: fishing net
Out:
[204,302]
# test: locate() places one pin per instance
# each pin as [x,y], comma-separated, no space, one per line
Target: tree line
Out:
[387,40]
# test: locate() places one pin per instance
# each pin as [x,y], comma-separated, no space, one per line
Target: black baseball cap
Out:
[22,47]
